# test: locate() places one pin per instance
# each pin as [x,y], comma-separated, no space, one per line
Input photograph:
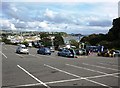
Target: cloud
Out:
[49,13]
[67,17]
[103,23]
[6,24]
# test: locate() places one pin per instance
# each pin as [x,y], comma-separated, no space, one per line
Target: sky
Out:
[70,17]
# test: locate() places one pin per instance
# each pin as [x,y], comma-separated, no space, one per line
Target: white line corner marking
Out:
[91,70]
[100,67]
[77,76]
[3,54]
[33,76]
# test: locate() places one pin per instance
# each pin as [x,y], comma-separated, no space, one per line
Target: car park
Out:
[44,51]
[22,49]
[67,53]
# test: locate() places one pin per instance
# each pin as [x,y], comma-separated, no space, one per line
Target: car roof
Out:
[22,45]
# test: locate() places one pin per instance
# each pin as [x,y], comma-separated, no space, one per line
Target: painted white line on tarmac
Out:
[3,54]
[69,80]
[62,71]
[109,64]
[100,67]
[33,76]
[97,83]
[19,55]
[77,76]
[102,75]
[89,69]
[34,55]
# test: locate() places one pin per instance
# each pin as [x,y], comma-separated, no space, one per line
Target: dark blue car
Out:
[44,51]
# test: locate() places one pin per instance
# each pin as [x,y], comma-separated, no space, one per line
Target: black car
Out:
[44,51]
[67,53]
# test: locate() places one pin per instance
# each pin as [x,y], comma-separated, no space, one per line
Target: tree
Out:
[46,42]
[110,40]
[43,35]
[74,43]
[58,40]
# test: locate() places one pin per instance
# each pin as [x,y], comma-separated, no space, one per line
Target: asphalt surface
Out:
[52,71]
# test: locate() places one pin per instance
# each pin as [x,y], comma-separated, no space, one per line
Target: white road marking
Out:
[77,76]
[97,83]
[109,64]
[90,70]
[19,55]
[3,54]
[100,67]
[33,76]
[62,71]
[103,75]
[69,80]
[35,55]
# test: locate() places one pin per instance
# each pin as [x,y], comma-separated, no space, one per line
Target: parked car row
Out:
[67,52]
[109,53]
[48,50]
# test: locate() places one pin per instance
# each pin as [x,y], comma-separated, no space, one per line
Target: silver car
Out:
[22,49]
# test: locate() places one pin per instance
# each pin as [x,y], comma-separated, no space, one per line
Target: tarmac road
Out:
[52,71]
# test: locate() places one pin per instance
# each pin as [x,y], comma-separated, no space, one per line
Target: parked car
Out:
[51,49]
[110,53]
[104,53]
[114,53]
[22,49]
[44,51]
[67,53]
[80,52]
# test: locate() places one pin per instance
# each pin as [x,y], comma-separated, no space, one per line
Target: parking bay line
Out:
[90,69]
[61,81]
[20,55]
[100,67]
[32,76]
[3,54]
[77,76]
[109,64]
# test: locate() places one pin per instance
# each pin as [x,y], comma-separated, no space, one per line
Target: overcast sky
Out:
[70,17]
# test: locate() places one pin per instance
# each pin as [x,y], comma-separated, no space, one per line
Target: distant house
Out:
[31,38]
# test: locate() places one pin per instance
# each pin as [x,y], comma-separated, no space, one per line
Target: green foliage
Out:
[74,43]
[6,41]
[43,35]
[58,40]
[46,42]
[93,39]
[25,43]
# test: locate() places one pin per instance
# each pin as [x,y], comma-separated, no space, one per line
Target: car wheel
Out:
[38,52]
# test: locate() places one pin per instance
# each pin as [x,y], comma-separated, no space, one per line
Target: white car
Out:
[22,49]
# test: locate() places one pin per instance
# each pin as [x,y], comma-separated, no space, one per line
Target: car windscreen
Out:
[47,49]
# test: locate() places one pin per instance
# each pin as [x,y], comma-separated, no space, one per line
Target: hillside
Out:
[109,40]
